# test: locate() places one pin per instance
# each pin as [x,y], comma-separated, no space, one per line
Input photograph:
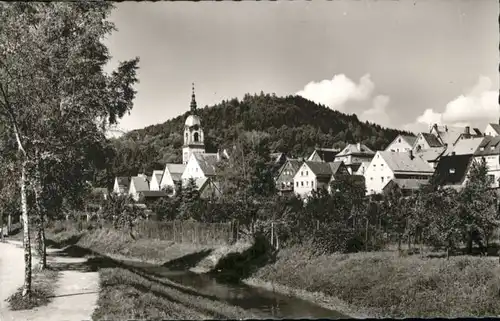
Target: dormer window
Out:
[481,148]
[492,147]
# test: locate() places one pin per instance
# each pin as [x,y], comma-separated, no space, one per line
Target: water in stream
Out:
[250,298]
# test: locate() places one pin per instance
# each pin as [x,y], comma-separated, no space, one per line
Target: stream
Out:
[247,297]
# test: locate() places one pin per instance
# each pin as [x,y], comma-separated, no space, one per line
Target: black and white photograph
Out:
[230,160]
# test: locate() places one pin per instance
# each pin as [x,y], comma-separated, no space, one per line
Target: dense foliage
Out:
[295,126]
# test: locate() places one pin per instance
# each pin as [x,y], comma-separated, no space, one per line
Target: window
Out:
[297,183]
[312,183]
[307,183]
[481,148]
[399,140]
[452,171]
[301,183]
[371,178]
[382,179]
[307,173]
[492,147]
[196,137]
[301,173]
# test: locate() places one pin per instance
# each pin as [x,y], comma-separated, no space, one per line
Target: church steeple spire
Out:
[193,102]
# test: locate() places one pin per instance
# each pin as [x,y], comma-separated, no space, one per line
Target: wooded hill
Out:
[295,125]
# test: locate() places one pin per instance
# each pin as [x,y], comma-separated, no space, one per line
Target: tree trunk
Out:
[9,223]
[399,242]
[2,227]
[40,221]
[26,234]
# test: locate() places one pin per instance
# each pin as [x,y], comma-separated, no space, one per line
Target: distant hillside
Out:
[296,125]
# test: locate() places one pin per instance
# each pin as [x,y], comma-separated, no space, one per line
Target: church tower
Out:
[193,133]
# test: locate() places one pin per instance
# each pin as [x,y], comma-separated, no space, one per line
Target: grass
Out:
[126,295]
[384,284]
[42,290]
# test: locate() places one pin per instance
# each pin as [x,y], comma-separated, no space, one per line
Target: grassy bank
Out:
[127,294]
[387,285]
[42,290]
[129,291]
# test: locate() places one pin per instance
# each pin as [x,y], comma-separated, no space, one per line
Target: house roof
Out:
[401,162]
[153,193]
[489,146]
[176,171]
[363,166]
[320,168]
[453,169]
[140,183]
[275,157]
[123,181]
[431,139]
[496,127]
[407,138]
[158,174]
[431,154]
[335,167]
[466,146]
[207,163]
[406,183]
[450,134]
[294,163]
[356,149]
[326,154]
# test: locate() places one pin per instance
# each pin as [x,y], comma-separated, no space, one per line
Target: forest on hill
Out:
[294,124]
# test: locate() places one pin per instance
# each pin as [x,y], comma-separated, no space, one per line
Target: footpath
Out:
[76,291]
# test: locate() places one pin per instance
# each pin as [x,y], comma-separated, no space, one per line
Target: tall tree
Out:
[55,96]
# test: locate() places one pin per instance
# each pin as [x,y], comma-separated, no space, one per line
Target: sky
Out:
[402,64]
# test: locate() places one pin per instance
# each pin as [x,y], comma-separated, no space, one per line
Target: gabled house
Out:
[285,175]
[314,175]
[323,155]
[406,186]
[450,135]
[489,149]
[464,146]
[122,185]
[278,158]
[362,168]
[208,187]
[338,169]
[138,184]
[492,129]
[425,141]
[402,143]
[353,155]
[155,181]
[151,196]
[452,170]
[171,175]
[431,155]
[386,166]
[201,166]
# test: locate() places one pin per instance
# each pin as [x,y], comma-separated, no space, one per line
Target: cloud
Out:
[480,104]
[336,92]
[378,112]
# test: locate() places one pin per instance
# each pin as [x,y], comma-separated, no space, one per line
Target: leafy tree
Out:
[479,202]
[190,205]
[54,95]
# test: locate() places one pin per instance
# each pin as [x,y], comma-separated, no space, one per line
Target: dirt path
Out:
[75,295]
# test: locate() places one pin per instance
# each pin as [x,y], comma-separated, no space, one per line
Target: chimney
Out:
[467,130]
[411,154]
[358,145]
[445,128]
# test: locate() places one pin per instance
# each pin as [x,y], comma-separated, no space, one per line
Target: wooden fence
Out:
[188,232]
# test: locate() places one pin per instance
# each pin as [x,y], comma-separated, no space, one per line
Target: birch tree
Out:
[56,98]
